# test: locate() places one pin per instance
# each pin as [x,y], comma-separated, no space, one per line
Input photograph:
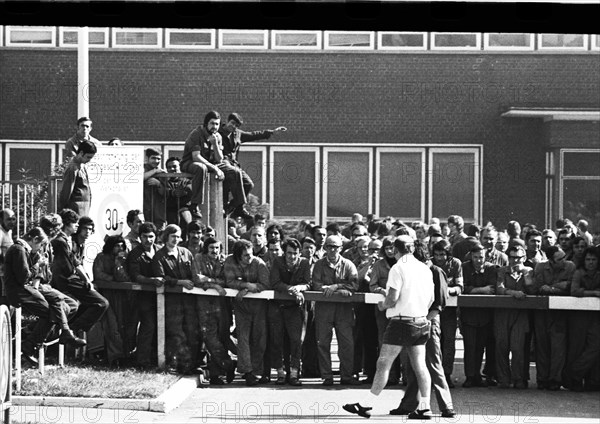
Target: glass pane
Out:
[293,182]
[509,40]
[241,39]
[31,37]
[596,41]
[252,163]
[562,40]
[402,40]
[137,38]
[581,200]
[350,40]
[453,185]
[291,40]
[190,39]
[37,161]
[400,179]
[94,37]
[347,184]
[456,40]
[582,164]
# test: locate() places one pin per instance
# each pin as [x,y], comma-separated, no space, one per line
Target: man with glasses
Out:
[552,278]
[335,274]
[512,325]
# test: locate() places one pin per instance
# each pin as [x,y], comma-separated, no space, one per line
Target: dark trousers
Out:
[199,173]
[146,336]
[182,336]
[119,324]
[341,317]
[310,356]
[366,345]
[285,319]
[550,345]
[92,306]
[449,325]
[209,315]
[433,359]
[475,339]
[510,329]
[236,182]
[584,345]
[251,324]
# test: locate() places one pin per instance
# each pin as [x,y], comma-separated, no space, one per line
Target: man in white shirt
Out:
[409,294]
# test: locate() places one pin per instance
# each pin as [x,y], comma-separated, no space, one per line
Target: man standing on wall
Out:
[84,128]
[76,193]
[237,180]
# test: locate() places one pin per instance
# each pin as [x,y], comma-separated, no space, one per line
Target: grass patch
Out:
[93,381]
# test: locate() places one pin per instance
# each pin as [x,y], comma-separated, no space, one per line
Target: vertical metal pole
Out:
[83,75]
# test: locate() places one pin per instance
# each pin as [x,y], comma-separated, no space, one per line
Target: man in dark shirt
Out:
[202,152]
[237,181]
[289,274]
[75,192]
[154,189]
[139,267]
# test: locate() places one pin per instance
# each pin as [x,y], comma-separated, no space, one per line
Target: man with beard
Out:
[202,153]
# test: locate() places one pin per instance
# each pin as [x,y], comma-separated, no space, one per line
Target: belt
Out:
[409,319]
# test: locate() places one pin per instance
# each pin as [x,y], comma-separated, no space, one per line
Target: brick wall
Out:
[321,97]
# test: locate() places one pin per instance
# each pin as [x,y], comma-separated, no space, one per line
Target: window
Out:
[500,41]
[137,37]
[401,176]
[243,39]
[68,36]
[190,38]
[455,41]
[37,159]
[294,182]
[340,40]
[595,41]
[253,160]
[402,40]
[30,36]
[562,41]
[454,183]
[296,40]
[347,182]
[579,196]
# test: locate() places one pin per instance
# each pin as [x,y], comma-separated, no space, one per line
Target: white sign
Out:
[116,177]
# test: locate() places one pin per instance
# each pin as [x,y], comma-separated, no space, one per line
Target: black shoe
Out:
[29,352]
[400,411]
[67,337]
[491,381]
[448,413]
[251,379]
[265,379]
[355,408]
[295,381]
[542,385]
[241,212]
[350,382]
[231,372]
[554,386]
[195,211]
[327,382]
[449,381]
[468,383]
[577,386]
[420,414]
[216,381]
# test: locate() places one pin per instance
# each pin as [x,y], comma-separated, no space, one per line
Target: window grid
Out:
[117,32]
[330,35]
[542,37]
[63,30]
[228,33]
[435,36]
[50,32]
[487,46]
[275,34]
[383,34]
[171,31]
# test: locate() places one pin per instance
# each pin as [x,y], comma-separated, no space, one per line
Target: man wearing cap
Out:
[335,274]
[237,181]
[202,152]
[409,294]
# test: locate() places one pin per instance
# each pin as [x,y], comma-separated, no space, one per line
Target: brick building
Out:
[493,127]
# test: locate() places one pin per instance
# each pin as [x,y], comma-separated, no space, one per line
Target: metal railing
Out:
[27,199]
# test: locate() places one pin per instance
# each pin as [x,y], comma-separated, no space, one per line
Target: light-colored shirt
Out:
[414,281]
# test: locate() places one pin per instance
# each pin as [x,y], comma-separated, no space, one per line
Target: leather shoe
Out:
[554,386]
[420,414]
[68,337]
[356,408]
[242,212]
[251,379]
[448,413]
[350,382]
[400,411]
[216,381]
[491,381]
[265,379]
[280,381]
[295,381]
[328,382]
[29,352]
[468,383]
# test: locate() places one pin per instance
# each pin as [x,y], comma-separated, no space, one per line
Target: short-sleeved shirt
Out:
[414,281]
[197,141]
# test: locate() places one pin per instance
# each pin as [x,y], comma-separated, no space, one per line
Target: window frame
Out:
[380,35]
[486,42]
[32,145]
[223,32]
[477,177]
[169,45]
[317,191]
[327,34]
[276,32]
[595,42]
[63,29]
[540,47]
[25,28]
[423,152]
[326,152]
[477,46]
[157,31]
[263,151]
